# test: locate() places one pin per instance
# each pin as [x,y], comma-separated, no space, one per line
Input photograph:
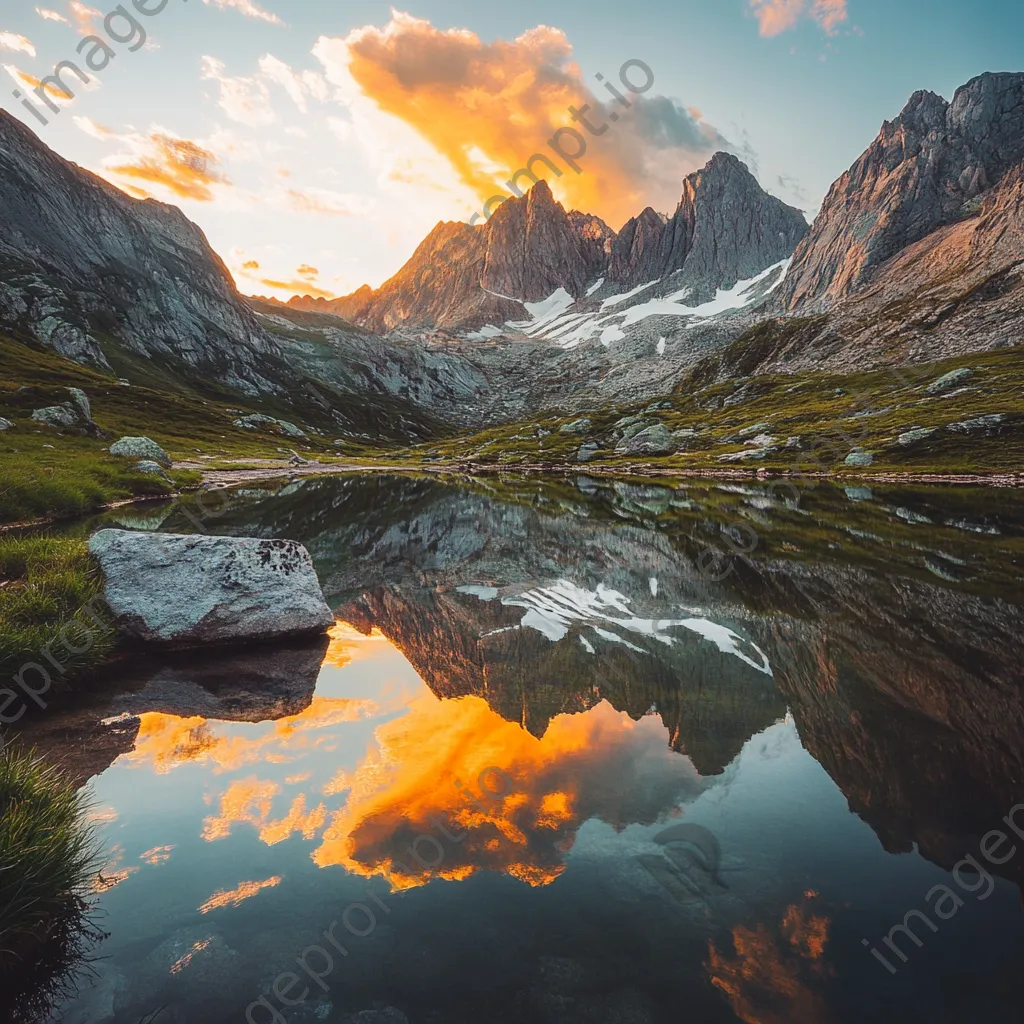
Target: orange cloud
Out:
[575,772]
[829,14]
[307,271]
[778,16]
[31,82]
[251,265]
[324,202]
[297,287]
[179,165]
[235,897]
[775,975]
[488,107]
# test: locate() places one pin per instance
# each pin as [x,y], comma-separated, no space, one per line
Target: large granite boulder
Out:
[141,448]
[656,440]
[189,591]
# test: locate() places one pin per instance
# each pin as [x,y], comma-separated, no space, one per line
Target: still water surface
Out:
[546,769]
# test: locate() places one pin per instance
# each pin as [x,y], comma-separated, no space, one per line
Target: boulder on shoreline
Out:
[191,591]
[141,448]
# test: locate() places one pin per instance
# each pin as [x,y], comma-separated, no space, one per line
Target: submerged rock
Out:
[141,448]
[189,591]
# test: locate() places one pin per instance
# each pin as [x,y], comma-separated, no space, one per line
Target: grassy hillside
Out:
[48,472]
[802,423]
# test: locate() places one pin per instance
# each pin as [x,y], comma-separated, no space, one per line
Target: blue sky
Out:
[289,130]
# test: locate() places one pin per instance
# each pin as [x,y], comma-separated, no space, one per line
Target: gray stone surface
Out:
[57,416]
[980,424]
[948,381]
[910,437]
[580,426]
[141,448]
[5,424]
[587,452]
[153,468]
[656,440]
[80,401]
[858,457]
[196,590]
[258,420]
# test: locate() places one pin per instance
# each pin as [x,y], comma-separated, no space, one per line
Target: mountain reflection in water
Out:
[837,723]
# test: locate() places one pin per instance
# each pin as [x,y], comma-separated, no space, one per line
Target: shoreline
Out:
[232,477]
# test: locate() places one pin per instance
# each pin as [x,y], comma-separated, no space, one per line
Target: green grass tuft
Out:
[45,582]
[49,861]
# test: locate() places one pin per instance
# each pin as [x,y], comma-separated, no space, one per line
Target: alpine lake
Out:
[576,750]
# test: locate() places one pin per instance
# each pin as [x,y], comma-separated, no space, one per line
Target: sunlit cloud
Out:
[246,7]
[490,106]
[47,15]
[577,771]
[31,82]
[246,100]
[249,801]
[158,855]
[182,167]
[298,85]
[18,44]
[83,15]
[296,286]
[775,975]
[235,897]
[778,16]
[94,128]
[307,271]
[325,202]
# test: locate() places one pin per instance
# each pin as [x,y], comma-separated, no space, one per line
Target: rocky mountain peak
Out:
[922,172]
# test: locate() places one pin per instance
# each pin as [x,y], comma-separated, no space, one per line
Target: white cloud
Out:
[48,15]
[246,7]
[245,100]
[19,44]
[297,85]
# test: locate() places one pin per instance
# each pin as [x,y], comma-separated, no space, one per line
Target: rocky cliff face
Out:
[926,170]
[82,264]
[726,229]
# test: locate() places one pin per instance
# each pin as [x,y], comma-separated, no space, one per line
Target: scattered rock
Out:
[257,420]
[750,453]
[765,440]
[189,591]
[859,493]
[124,383]
[913,436]
[656,440]
[757,428]
[587,452]
[148,466]
[5,425]
[580,426]
[980,424]
[81,403]
[950,380]
[859,457]
[141,448]
[64,415]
